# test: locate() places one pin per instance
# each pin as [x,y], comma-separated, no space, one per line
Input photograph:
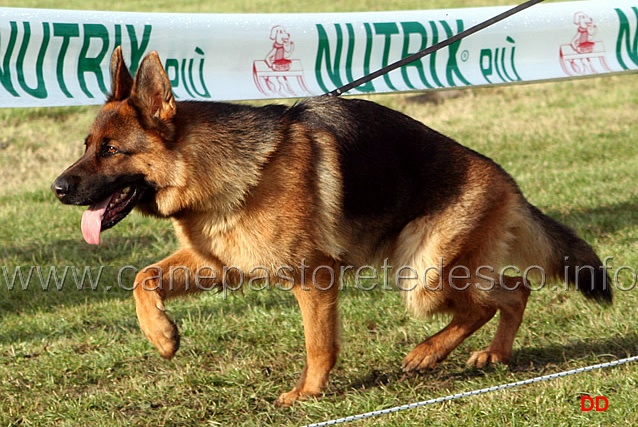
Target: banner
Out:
[60,57]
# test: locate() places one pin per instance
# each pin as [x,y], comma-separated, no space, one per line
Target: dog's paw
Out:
[162,333]
[287,399]
[154,323]
[420,360]
[481,359]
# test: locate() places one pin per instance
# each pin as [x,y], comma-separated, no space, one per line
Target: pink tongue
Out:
[92,222]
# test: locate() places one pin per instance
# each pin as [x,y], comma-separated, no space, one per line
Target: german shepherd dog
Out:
[325,183]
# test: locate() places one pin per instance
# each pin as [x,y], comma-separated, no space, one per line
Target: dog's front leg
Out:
[181,273]
[318,303]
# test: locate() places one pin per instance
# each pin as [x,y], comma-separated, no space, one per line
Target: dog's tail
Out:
[567,257]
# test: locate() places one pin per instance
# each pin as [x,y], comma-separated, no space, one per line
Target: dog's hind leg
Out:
[435,248]
[318,303]
[177,274]
[511,299]
[460,288]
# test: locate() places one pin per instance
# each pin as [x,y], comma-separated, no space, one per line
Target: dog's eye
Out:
[109,150]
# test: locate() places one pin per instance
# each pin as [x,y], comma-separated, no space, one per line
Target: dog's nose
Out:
[61,186]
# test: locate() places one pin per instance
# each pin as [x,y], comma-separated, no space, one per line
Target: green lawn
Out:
[75,356]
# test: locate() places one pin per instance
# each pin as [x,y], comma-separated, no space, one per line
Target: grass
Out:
[75,356]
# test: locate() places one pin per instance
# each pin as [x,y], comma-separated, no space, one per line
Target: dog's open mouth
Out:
[105,214]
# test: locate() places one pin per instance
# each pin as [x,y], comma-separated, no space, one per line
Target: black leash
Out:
[433,48]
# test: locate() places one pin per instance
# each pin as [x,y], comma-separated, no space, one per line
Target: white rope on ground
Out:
[473,393]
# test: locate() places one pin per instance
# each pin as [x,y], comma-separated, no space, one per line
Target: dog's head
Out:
[122,161]
[279,35]
[582,20]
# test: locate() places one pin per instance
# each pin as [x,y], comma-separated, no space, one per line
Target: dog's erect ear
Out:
[152,92]
[121,80]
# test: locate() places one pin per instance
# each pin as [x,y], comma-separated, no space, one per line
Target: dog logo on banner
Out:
[583,55]
[277,74]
